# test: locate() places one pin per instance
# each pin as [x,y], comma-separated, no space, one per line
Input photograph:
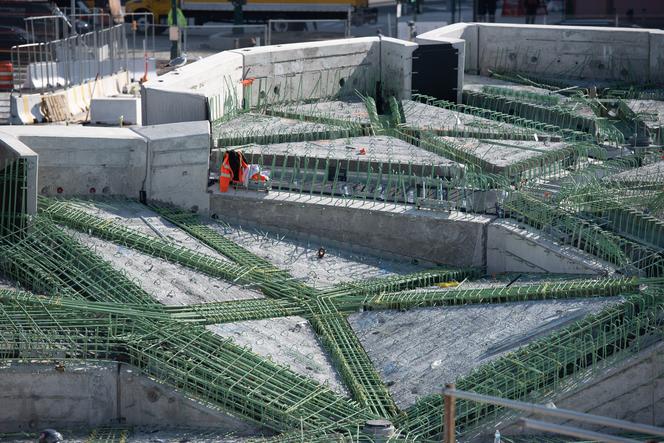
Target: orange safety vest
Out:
[225,174]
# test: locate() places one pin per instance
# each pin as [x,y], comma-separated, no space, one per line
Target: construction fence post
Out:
[449,414]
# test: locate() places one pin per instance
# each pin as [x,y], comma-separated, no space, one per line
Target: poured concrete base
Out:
[418,351]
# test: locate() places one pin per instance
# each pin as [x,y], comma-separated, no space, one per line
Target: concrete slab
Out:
[289,341]
[298,254]
[351,111]
[260,128]
[168,283]
[447,122]
[378,154]
[456,239]
[418,351]
[135,215]
[502,154]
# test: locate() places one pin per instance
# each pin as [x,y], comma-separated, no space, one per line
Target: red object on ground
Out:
[247,81]
[363,151]
[6,76]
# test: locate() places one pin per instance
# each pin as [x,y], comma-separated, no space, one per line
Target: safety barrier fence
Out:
[72,60]
[536,371]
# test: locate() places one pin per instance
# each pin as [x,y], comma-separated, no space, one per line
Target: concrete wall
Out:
[396,67]
[11,147]
[454,239]
[181,95]
[169,161]
[514,247]
[635,55]
[209,88]
[310,70]
[36,396]
[178,163]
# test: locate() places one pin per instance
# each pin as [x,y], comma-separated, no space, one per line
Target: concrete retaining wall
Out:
[624,54]
[169,161]
[36,396]
[453,239]
[211,87]
[310,70]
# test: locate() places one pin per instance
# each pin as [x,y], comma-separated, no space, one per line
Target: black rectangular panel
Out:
[435,69]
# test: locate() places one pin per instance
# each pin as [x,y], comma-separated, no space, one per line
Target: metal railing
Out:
[69,61]
[451,394]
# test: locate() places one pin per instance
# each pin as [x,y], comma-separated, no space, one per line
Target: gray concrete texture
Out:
[455,239]
[298,254]
[254,126]
[418,351]
[170,284]
[289,341]
[87,395]
[501,154]
[352,111]
[433,118]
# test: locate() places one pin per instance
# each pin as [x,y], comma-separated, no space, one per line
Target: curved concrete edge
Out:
[87,395]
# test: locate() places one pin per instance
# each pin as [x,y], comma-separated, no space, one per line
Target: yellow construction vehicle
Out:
[260,11]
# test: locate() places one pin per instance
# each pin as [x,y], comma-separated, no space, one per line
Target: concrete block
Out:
[112,110]
[513,247]
[81,159]
[467,32]
[160,106]
[454,239]
[178,163]
[11,147]
[396,58]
